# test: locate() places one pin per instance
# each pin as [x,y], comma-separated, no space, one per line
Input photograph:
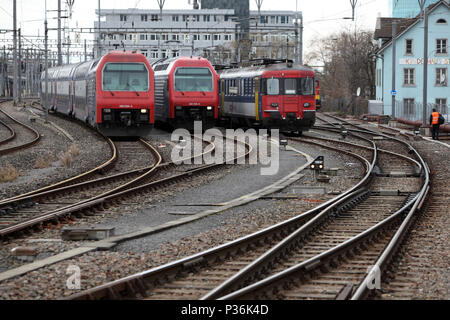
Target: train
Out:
[113,94]
[186,90]
[270,93]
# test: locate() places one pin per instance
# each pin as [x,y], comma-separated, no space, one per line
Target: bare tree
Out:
[348,65]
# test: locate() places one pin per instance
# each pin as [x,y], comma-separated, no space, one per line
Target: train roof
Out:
[259,67]
[165,66]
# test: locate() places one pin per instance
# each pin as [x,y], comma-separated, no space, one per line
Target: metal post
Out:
[15,52]
[301,38]
[394,31]
[99,52]
[85,50]
[59,35]
[19,83]
[425,69]
[46,100]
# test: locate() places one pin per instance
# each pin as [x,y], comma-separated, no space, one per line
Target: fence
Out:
[413,111]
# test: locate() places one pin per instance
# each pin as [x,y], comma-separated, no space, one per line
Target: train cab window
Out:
[307,86]
[193,79]
[273,86]
[125,77]
[290,86]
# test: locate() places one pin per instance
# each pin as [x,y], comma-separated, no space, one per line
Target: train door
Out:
[290,95]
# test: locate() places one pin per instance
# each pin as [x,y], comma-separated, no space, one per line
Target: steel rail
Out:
[130,283]
[37,192]
[11,130]
[24,145]
[341,249]
[354,192]
[85,203]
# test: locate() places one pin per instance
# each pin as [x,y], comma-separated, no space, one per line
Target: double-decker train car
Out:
[114,93]
[186,90]
[272,94]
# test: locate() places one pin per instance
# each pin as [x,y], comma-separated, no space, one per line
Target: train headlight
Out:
[107,110]
[143,111]
[274,105]
[209,108]
[307,105]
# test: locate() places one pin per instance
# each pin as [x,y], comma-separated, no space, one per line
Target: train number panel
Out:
[270,94]
[186,90]
[114,94]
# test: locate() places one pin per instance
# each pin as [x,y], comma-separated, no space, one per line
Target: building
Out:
[408,65]
[213,33]
[407,8]
[241,8]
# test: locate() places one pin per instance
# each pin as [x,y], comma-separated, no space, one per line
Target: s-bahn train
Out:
[186,90]
[272,94]
[113,94]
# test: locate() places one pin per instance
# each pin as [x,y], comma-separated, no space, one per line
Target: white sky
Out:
[322,17]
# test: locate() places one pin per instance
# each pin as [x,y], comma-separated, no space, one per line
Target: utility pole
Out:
[301,38]
[46,101]
[59,35]
[19,83]
[161,6]
[15,51]
[425,68]
[394,31]
[99,51]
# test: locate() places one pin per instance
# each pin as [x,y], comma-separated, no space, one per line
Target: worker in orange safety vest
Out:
[434,122]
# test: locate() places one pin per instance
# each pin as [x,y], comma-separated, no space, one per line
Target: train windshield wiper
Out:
[112,93]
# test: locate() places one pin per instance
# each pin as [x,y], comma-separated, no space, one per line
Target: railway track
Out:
[16,130]
[195,276]
[41,207]
[324,253]
[86,205]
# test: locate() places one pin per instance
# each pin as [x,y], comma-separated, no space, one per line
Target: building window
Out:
[441,105]
[175,53]
[144,17]
[196,37]
[217,37]
[441,77]
[153,37]
[175,37]
[164,37]
[408,106]
[123,18]
[206,18]
[441,21]
[196,17]
[154,17]
[408,77]
[273,19]
[154,54]
[441,46]
[206,37]
[227,37]
[283,19]
[144,52]
[175,18]
[143,37]
[408,47]
[185,17]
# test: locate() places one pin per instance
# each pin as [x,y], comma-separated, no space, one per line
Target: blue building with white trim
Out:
[409,61]
[407,8]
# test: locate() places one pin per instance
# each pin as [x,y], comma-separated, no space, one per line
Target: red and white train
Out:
[271,94]
[114,94]
[186,90]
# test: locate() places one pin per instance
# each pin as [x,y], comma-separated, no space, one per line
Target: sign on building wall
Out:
[415,61]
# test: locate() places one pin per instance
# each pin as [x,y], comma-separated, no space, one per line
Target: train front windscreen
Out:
[125,77]
[291,86]
[193,80]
